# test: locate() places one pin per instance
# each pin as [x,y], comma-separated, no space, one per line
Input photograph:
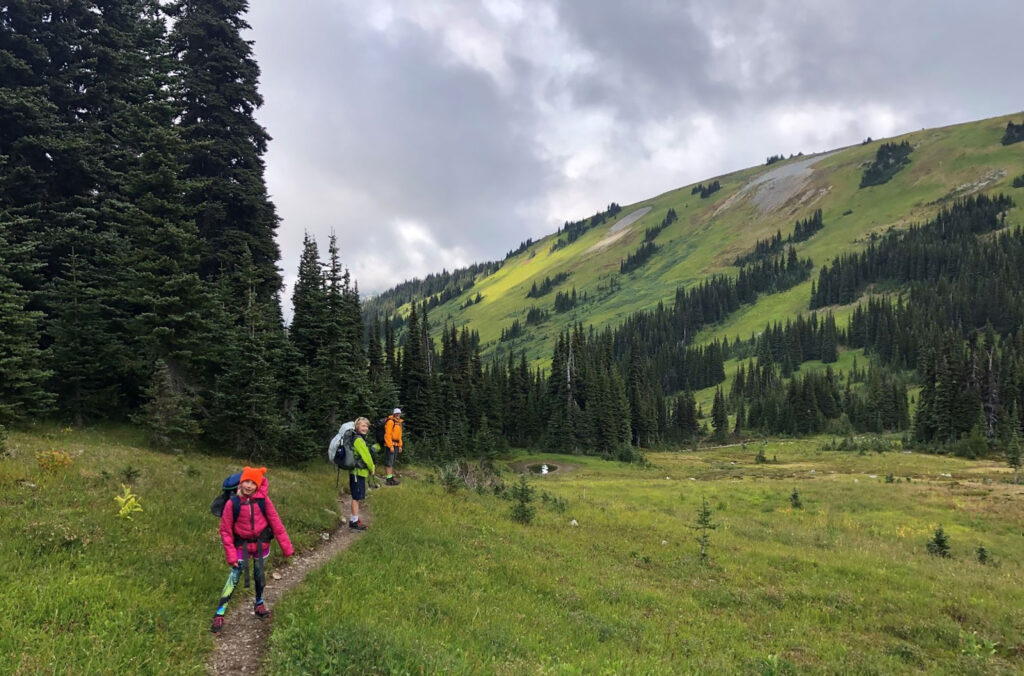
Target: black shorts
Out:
[389,457]
[357,486]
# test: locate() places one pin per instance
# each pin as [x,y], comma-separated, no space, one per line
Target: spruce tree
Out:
[23,392]
[245,415]
[1013,443]
[223,161]
[719,416]
[703,528]
[167,413]
[939,544]
[309,303]
[415,384]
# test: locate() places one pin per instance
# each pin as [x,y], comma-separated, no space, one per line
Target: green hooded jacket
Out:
[363,452]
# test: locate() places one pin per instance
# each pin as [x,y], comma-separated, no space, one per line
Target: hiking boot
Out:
[218,624]
[261,610]
[392,481]
[357,525]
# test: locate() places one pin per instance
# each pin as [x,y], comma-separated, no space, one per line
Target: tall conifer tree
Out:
[224,166]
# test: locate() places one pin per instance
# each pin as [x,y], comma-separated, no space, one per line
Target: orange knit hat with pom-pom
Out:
[254,474]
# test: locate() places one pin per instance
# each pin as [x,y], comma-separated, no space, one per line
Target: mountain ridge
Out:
[754,203]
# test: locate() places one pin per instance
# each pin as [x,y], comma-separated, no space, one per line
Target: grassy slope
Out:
[944,164]
[449,584]
[87,592]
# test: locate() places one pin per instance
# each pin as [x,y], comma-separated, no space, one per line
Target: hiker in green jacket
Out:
[364,469]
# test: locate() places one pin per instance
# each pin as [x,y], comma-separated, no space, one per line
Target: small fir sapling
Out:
[522,494]
[794,500]
[939,544]
[704,525]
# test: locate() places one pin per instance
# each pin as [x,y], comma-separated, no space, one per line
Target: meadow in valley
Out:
[817,560]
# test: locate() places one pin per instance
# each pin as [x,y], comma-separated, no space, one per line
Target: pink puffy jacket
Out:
[251,523]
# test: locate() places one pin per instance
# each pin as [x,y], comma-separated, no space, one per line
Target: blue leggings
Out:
[258,568]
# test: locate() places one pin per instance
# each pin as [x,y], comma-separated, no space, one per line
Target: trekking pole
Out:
[245,563]
[337,477]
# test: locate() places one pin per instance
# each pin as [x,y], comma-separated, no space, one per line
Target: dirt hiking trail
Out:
[241,648]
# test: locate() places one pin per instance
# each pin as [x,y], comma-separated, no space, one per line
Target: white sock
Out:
[353,518]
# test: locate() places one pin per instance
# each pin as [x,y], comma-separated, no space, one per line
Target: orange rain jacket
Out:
[393,432]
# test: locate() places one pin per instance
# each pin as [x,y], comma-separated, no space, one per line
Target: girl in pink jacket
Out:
[247,524]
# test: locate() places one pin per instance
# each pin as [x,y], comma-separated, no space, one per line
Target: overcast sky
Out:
[434,134]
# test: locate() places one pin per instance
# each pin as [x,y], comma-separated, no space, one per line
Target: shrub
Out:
[128,503]
[129,473]
[449,477]
[52,461]
[556,503]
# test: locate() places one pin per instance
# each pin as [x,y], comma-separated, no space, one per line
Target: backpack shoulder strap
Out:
[236,506]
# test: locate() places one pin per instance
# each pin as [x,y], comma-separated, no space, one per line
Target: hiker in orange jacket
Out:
[393,444]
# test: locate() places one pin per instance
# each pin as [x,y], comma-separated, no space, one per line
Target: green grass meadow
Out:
[448,583]
[85,591]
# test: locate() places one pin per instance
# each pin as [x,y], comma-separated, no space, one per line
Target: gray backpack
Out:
[341,450]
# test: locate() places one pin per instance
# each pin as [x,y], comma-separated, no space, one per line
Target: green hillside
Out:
[752,204]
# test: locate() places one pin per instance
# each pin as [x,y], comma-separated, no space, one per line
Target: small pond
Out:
[543,468]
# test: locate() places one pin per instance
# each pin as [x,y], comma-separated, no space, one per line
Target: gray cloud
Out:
[451,131]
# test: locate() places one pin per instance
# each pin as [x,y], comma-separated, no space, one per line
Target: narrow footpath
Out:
[241,648]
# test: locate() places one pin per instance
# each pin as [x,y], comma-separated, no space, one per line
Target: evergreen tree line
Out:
[958,323]
[139,271]
[1014,133]
[1018,181]
[444,283]
[636,259]
[772,275]
[772,159]
[455,405]
[971,388]
[790,344]
[802,230]
[514,330]
[967,348]
[536,315]
[766,403]
[764,247]
[648,248]
[523,246]
[475,300]
[670,217]
[706,190]
[889,159]
[575,229]
[449,292]
[566,300]
[931,252]
[807,227]
[546,285]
